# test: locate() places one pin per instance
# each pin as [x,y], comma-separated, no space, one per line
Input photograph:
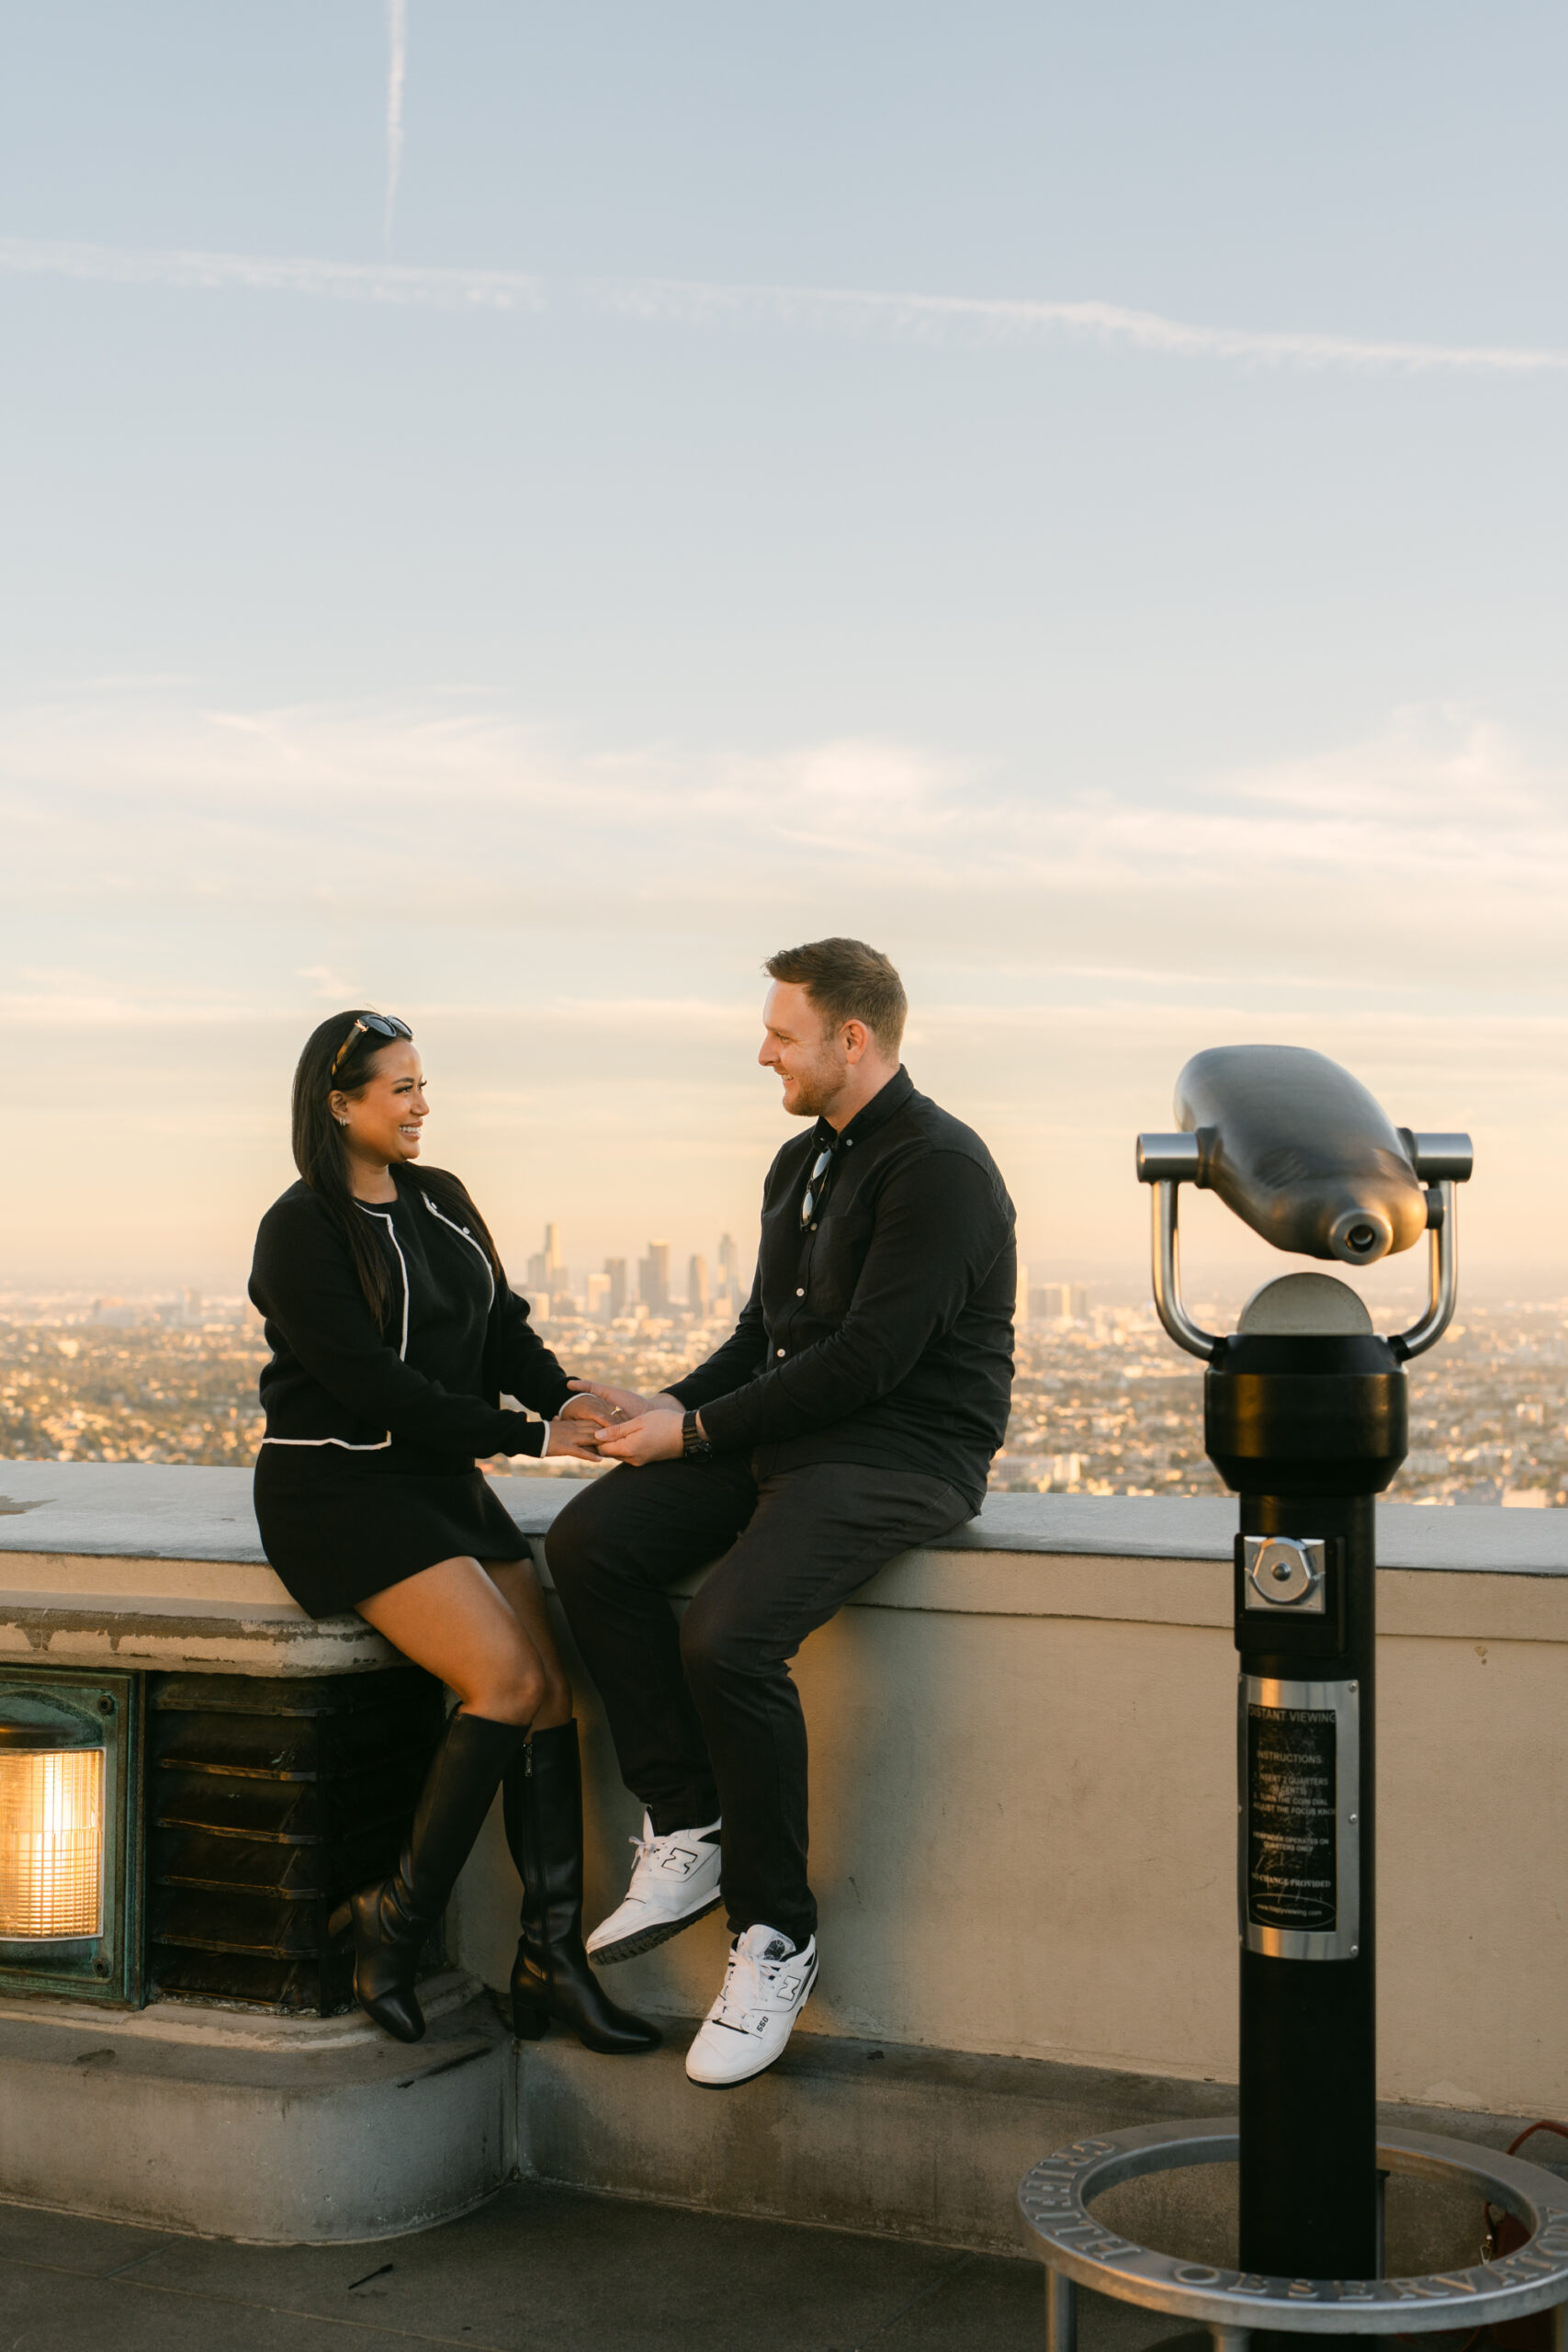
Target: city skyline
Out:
[1101,1404]
[607,1292]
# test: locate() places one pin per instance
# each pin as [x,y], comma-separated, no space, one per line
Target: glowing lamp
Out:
[51,1838]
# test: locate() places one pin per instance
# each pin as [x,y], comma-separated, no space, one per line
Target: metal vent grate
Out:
[268,1801]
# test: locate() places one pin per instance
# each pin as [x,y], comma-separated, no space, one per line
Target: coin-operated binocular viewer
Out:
[1305,1419]
[1304,1416]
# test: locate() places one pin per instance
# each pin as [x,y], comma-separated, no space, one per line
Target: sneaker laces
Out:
[752,1985]
[659,1854]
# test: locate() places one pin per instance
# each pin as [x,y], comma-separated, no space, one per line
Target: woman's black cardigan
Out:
[337,1380]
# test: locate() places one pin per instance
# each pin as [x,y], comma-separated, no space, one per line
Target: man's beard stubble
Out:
[815,1090]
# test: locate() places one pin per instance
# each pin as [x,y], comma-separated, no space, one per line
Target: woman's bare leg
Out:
[455,1620]
[518,1583]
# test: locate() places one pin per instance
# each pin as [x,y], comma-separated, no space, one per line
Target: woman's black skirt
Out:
[337,1528]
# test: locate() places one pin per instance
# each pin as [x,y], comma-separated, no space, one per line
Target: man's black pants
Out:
[705,1714]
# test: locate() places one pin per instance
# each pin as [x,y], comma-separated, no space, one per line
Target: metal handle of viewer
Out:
[1441,1161]
[1443,1247]
[1167,1162]
[1164,1163]
[1174,1159]
[1167,1275]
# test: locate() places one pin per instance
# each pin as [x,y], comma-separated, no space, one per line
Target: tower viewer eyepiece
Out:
[1360,1236]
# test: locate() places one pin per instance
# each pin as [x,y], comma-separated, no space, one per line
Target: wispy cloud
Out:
[668,301]
[950,317]
[396,69]
[347,281]
[1435,848]
[1427,770]
[326,981]
[577,937]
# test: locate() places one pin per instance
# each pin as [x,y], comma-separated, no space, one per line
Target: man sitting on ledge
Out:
[853,1414]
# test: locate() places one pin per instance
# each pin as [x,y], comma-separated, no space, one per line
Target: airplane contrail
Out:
[343,281]
[982,319]
[397,68]
[935,318]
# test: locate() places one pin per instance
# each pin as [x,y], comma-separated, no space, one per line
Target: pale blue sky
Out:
[530,621]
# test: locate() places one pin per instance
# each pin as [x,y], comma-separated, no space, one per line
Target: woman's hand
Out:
[653,1436]
[624,1404]
[577,1437]
[592,1406]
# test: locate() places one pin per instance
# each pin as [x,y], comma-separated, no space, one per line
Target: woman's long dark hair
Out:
[323,1160]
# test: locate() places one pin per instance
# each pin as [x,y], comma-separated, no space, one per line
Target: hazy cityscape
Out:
[1102,1402]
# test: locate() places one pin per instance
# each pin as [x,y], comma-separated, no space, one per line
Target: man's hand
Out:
[653,1436]
[577,1434]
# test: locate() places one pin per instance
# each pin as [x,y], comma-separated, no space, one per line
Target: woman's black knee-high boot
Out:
[392,1919]
[551,1977]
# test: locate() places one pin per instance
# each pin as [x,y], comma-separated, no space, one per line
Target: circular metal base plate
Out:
[1057,2226]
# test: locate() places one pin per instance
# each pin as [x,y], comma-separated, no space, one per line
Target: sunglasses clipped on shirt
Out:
[384,1024]
[817,1184]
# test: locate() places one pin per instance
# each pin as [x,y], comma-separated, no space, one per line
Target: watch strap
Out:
[694,1445]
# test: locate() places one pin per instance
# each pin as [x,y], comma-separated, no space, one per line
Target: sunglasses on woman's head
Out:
[384,1024]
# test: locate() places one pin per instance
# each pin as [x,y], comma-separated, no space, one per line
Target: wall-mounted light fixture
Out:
[69,1868]
[51,1836]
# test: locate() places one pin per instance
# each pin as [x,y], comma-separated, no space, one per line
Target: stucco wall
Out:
[1025,1808]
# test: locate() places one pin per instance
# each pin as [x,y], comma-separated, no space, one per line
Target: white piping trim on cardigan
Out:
[393,1238]
[467,1237]
[381,1443]
[379,1446]
[376,1445]
[490,1270]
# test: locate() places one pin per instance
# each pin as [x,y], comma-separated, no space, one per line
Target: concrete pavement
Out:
[537,2269]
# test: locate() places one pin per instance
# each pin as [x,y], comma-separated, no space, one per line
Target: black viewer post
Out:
[1304,1418]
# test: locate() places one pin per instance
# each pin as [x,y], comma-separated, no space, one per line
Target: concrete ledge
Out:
[133,1510]
[73,1626]
[854,2135]
[151,1565]
[922,2145]
[161,1512]
[263,2129]
[137,1564]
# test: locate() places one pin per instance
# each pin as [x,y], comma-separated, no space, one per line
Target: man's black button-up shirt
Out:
[881,1330]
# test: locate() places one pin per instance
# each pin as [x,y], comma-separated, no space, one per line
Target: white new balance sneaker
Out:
[765,1988]
[674,1881]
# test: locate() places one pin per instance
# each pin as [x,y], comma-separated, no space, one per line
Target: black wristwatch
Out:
[695,1446]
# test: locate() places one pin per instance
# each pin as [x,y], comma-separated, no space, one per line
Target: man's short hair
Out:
[847,980]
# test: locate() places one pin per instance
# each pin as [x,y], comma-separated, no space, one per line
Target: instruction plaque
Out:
[1300,1822]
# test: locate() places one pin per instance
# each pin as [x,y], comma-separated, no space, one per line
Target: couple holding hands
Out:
[852,1413]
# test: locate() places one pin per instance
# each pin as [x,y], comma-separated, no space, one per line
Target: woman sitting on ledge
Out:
[393,1336]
